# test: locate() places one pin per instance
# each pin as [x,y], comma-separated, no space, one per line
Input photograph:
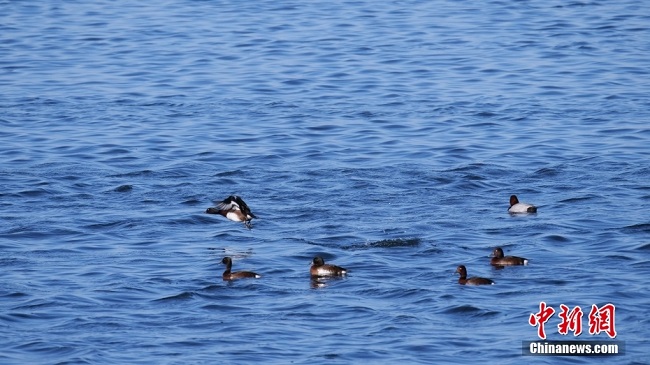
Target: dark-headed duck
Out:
[499,260]
[319,268]
[517,207]
[228,275]
[233,208]
[463,280]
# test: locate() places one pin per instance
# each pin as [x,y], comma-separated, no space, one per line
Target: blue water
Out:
[384,136]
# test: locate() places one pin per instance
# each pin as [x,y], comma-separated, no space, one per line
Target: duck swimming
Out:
[229,275]
[463,280]
[499,260]
[517,207]
[320,269]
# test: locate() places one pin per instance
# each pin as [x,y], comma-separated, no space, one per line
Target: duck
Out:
[320,269]
[499,260]
[517,207]
[228,275]
[234,208]
[463,280]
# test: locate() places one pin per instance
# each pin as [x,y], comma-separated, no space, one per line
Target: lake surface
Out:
[386,137]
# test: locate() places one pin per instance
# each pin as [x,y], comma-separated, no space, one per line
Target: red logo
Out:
[570,321]
[540,318]
[600,320]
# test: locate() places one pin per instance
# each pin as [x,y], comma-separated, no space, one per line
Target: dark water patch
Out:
[123,188]
[552,282]
[7,262]
[35,304]
[33,193]
[133,174]
[613,259]
[644,264]
[469,310]
[549,172]
[433,250]
[636,228]
[46,349]
[193,201]
[643,247]
[115,225]
[387,243]
[230,173]
[578,199]
[177,297]
[485,114]
[15,295]
[556,238]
